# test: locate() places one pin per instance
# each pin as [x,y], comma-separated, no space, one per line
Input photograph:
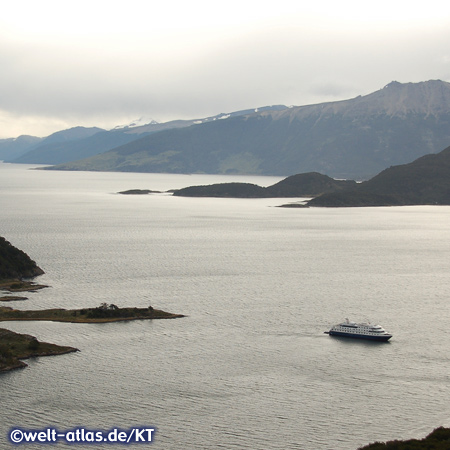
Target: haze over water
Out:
[249,367]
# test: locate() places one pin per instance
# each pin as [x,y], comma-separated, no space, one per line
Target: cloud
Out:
[101,63]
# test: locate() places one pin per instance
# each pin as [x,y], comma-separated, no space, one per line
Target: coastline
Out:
[15,347]
[20,286]
[100,314]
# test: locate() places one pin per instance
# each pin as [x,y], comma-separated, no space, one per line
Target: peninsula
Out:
[14,347]
[18,286]
[15,265]
[101,314]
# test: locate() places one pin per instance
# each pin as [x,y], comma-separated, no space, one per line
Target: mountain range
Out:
[81,142]
[354,139]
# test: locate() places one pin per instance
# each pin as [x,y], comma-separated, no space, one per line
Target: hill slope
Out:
[14,263]
[14,147]
[425,181]
[57,147]
[61,152]
[79,142]
[353,139]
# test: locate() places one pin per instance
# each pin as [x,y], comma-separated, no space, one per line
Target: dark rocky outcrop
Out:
[16,264]
[439,439]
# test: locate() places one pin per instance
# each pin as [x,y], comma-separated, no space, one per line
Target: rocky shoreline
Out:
[438,439]
[14,347]
[16,271]
[12,298]
[18,286]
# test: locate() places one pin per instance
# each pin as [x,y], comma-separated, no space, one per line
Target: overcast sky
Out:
[105,63]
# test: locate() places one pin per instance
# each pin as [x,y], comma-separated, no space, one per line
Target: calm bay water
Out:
[249,367]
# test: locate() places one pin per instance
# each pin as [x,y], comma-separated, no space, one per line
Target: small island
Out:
[15,346]
[101,314]
[139,192]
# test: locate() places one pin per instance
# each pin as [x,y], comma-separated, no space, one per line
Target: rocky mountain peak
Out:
[395,99]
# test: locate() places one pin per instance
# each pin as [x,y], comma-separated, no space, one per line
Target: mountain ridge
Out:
[426,97]
[14,147]
[80,142]
[354,139]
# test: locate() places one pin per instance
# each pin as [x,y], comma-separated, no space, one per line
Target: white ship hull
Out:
[360,331]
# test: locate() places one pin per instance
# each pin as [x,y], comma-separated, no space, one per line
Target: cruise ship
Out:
[359,331]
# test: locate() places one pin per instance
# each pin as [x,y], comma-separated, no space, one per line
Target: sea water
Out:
[249,367]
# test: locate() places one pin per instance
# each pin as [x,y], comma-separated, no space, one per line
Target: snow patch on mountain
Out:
[137,123]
